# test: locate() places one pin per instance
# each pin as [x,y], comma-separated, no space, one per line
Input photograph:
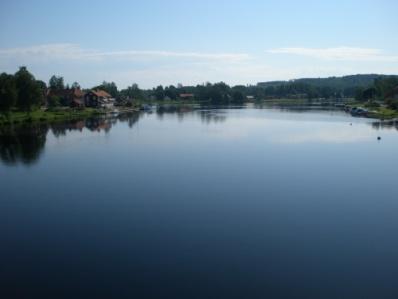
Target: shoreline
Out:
[56,115]
[69,114]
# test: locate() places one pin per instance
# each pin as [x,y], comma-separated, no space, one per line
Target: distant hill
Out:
[341,83]
[332,87]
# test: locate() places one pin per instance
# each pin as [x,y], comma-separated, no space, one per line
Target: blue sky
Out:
[168,42]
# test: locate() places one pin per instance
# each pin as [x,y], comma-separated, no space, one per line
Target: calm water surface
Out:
[205,203]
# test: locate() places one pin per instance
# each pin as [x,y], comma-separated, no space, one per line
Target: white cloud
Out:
[154,67]
[339,53]
[75,52]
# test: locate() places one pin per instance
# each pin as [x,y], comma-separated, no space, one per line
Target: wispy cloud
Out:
[149,68]
[339,53]
[66,51]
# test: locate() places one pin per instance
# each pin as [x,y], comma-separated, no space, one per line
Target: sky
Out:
[156,42]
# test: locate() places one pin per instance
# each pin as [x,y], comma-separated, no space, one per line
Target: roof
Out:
[101,93]
[186,95]
[74,92]
[78,92]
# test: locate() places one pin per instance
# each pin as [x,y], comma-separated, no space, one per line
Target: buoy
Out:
[378,138]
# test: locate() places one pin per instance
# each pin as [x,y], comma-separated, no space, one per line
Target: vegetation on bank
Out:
[383,113]
[25,99]
[375,110]
[46,116]
[380,99]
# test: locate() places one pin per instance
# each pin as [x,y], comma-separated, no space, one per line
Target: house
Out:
[68,97]
[186,96]
[77,103]
[98,98]
[250,98]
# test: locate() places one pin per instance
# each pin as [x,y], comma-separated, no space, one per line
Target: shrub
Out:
[53,101]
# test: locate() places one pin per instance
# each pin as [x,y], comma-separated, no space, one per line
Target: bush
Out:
[393,104]
[53,101]
[372,104]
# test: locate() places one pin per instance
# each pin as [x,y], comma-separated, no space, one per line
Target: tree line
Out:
[382,89]
[23,92]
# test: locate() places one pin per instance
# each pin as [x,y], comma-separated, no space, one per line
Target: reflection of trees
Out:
[130,117]
[22,144]
[392,124]
[211,116]
[25,143]
[60,129]
[179,110]
[296,107]
[98,124]
[208,115]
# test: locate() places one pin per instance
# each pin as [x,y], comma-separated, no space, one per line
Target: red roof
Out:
[101,93]
[186,95]
[73,93]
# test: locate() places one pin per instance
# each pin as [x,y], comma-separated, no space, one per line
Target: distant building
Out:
[250,98]
[186,96]
[98,99]
[68,97]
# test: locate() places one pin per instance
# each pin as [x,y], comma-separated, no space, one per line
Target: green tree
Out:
[369,93]
[359,94]
[8,93]
[56,83]
[218,93]
[43,90]
[238,97]
[28,90]
[171,92]
[133,92]
[385,85]
[109,87]
[53,101]
[159,93]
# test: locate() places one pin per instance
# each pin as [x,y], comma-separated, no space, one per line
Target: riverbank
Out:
[376,112]
[381,112]
[47,116]
[64,114]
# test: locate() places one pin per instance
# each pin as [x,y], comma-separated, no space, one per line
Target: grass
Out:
[285,101]
[383,113]
[376,112]
[46,116]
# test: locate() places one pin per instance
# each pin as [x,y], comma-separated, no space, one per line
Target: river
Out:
[189,202]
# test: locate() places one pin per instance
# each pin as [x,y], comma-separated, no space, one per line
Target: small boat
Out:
[146,107]
[359,112]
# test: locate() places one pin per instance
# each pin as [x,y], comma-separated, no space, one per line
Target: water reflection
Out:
[94,124]
[206,197]
[22,144]
[179,110]
[392,124]
[25,144]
